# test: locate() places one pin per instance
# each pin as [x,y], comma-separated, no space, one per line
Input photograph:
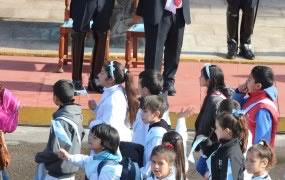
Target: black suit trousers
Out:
[166,38]
[248,8]
[100,11]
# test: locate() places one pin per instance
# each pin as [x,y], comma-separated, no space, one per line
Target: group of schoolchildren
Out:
[229,123]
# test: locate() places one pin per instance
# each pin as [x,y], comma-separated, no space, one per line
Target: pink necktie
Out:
[177,3]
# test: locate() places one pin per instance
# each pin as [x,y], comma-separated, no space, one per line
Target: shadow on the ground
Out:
[15,65]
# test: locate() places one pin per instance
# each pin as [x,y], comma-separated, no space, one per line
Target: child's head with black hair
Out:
[227,105]
[260,158]
[232,125]
[104,137]
[150,82]
[114,73]
[163,161]
[63,92]
[212,77]
[153,108]
[261,77]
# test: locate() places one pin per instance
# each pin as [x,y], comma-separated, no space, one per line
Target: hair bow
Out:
[238,112]
[168,145]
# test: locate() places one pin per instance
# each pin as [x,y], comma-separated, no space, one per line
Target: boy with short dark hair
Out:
[259,106]
[150,83]
[153,109]
[70,117]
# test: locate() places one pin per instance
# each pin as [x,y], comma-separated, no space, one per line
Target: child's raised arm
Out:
[185,113]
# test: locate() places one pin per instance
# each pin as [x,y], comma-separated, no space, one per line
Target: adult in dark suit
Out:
[164,31]
[248,8]
[82,12]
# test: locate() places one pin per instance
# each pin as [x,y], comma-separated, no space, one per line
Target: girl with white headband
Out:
[116,101]
[212,77]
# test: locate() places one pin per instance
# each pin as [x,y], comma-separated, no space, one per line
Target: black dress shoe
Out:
[171,91]
[92,86]
[77,85]
[246,52]
[232,50]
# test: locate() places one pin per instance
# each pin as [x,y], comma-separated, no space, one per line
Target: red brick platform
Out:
[31,80]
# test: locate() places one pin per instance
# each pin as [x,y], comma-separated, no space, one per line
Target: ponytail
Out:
[133,102]
[117,71]
[175,139]
[243,135]
[180,160]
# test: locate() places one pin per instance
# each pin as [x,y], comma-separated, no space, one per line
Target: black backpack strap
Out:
[103,163]
[131,170]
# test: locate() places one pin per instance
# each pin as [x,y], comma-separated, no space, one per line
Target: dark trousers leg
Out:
[155,36]
[172,51]
[150,43]
[98,54]
[247,24]
[232,21]
[78,40]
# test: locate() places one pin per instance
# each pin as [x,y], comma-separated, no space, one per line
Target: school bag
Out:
[133,151]
[9,111]
[130,170]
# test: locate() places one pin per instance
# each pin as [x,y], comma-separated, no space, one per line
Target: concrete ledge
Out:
[121,56]
[41,116]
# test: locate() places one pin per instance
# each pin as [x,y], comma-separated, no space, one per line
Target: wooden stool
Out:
[133,33]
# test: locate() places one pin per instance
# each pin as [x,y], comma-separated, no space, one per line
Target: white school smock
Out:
[140,130]
[171,176]
[182,130]
[90,166]
[112,109]
[153,138]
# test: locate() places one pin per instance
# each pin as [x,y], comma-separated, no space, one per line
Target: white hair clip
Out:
[112,69]
[207,66]
[126,70]
[261,142]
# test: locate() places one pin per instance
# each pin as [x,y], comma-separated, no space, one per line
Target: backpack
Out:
[9,107]
[133,151]
[130,171]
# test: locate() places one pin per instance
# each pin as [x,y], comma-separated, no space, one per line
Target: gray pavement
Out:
[33,25]
[26,141]
[28,134]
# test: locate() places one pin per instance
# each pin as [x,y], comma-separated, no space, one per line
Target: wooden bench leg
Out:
[128,51]
[65,46]
[60,53]
[135,50]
